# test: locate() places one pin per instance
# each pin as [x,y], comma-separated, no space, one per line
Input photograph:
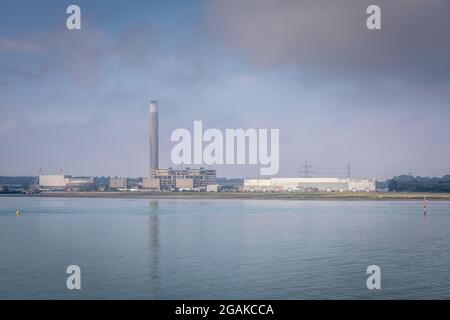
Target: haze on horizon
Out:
[339,93]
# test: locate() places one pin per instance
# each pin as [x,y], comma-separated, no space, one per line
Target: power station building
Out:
[59,181]
[171,179]
[309,184]
[181,179]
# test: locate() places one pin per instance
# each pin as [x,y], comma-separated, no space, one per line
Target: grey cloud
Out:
[137,46]
[8,45]
[87,55]
[6,126]
[74,55]
[77,55]
[331,36]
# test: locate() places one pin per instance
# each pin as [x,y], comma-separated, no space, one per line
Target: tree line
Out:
[409,183]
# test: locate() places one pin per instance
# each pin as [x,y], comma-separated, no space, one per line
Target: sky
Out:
[339,93]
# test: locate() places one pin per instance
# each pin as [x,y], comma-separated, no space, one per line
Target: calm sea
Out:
[223,249]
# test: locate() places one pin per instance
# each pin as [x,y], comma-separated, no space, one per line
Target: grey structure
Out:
[172,179]
[118,183]
[153,136]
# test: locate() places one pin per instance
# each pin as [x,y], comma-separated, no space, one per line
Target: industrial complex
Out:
[159,179]
[201,179]
[173,179]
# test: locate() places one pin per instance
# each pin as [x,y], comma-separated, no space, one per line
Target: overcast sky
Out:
[339,93]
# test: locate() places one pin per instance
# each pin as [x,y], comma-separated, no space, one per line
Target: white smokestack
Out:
[153,136]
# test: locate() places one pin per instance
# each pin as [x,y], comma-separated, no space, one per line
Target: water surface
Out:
[223,249]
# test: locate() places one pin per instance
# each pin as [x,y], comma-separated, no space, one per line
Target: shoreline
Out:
[298,196]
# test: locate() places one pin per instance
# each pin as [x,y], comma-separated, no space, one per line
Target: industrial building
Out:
[118,183]
[309,184]
[59,181]
[151,184]
[172,179]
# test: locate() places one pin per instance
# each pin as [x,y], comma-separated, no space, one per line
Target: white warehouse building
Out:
[56,181]
[309,184]
[52,181]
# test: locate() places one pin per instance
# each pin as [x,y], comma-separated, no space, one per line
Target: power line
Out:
[306,170]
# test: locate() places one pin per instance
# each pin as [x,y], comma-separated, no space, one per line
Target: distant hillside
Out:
[23,181]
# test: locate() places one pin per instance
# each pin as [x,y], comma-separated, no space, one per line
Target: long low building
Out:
[309,184]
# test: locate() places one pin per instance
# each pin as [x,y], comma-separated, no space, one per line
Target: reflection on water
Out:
[153,235]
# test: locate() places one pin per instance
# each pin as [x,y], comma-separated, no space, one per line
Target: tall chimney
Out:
[153,135]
